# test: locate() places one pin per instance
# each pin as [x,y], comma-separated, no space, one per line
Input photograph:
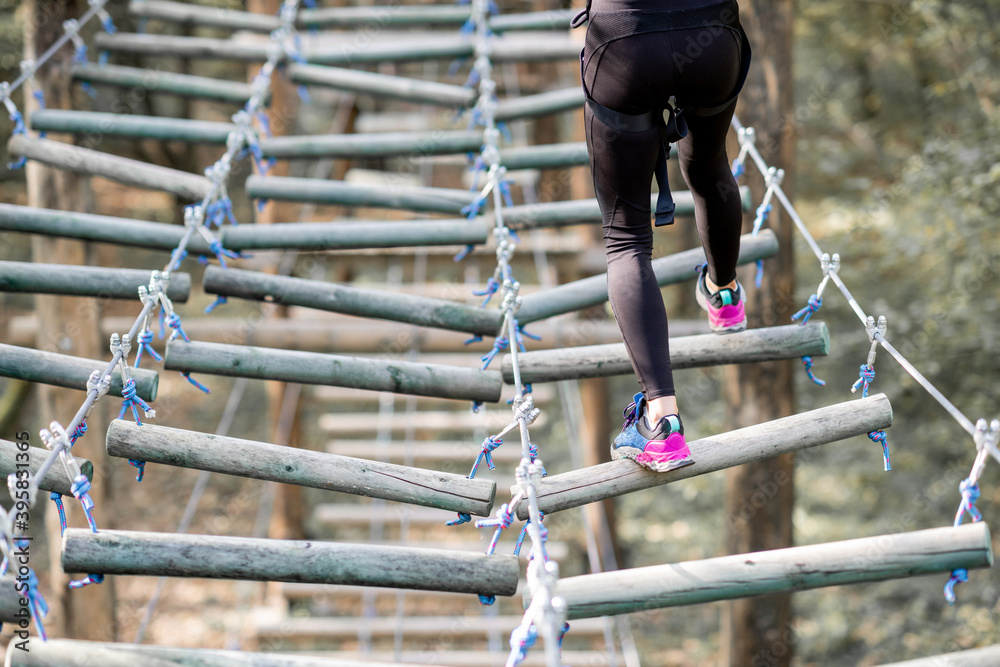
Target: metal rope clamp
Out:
[875,333]
[99,385]
[747,137]
[986,439]
[829,265]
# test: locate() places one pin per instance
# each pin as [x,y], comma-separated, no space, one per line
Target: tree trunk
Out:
[69,325]
[759,496]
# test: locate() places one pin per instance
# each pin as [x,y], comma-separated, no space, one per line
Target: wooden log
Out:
[593,290]
[356,234]
[977,657]
[341,371]
[322,191]
[545,156]
[321,295]
[867,559]
[380,144]
[34,278]
[592,361]
[185,85]
[10,600]
[718,452]
[62,370]
[301,467]
[586,211]
[394,16]
[428,627]
[286,236]
[99,124]
[542,104]
[383,85]
[55,479]
[122,170]
[220,557]
[63,652]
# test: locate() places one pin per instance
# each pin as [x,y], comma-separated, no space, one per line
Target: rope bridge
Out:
[487,211]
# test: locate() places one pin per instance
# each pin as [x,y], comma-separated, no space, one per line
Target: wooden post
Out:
[762,392]
[95,281]
[68,325]
[255,559]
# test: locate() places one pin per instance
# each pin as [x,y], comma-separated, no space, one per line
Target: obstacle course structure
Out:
[548,599]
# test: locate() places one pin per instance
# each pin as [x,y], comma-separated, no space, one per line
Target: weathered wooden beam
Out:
[221,557]
[977,657]
[101,124]
[63,652]
[94,281]
[542,104]
[545,156]
[348,300]
[145,79]
[375,144]
[11,610]
[286,236]
[338,49]
[62,370]
[356,234]
[122,170]
[55,479]
[341,371]
[593,290]
[747,347]
[586,211]
[718,452]
[301,467]
[867,559]
[322,191]
[394,16]
[383,85]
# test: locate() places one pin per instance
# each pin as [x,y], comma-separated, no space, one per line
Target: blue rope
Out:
[492,285]
[462,518]
[866,377]
[959,576]
[521,641]
[187,376]
[219,300]
[81,491]
[174,322]
[880,437]
[36,604]
[19,128]
[128,393]
[970,494]
[489,444]
[57,498]
[499,345]
[78,432]
[738,168]
[814,304]
[141,465]
[177,256]
[807,361]
[86,581]
[504,518]
[145,345]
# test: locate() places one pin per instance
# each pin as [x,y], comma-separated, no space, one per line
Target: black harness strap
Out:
[670,119]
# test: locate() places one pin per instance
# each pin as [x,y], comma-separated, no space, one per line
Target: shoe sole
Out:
[632,454]
[716,328]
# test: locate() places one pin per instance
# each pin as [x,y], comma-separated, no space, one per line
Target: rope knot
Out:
[141,465]
[881,438]
[866,377]
[959,576]
[970,494]
[174,322]
[807,361]
[812,305]
[486,454]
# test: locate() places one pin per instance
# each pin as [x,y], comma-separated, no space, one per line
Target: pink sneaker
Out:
[661,449]
[726,313]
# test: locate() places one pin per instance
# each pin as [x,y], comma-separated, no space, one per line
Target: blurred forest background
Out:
[897,121]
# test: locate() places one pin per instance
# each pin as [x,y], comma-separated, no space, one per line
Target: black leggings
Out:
[634,75]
